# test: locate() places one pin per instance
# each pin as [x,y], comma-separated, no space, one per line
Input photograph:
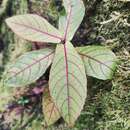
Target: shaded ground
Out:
[107,22]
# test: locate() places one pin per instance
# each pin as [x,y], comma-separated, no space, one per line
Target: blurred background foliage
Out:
[107,22]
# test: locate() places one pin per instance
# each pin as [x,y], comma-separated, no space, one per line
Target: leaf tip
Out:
[8,21]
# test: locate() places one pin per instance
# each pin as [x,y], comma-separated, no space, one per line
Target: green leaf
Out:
[68,82]
[29,67]
[99,61]
[51,113]
[62,21]
[34,28]
[68,24]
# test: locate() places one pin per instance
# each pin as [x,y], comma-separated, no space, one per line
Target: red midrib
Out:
[35,29]
[68,23]
[67,81]
[66,60]
[37,61]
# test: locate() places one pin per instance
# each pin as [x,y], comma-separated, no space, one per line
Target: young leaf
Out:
[51,113]
[34,28]
[99,61]
[68,83]
[29,67]
[75,11]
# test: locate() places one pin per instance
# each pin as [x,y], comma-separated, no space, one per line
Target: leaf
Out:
[29,67]
[67,82]
[51,113]
[68,24]
[99,61]
[33,28]
[62,21]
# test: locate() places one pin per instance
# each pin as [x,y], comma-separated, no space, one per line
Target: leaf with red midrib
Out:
[99,61]
[51,113]
[34,28]
[69,23]
[29,67]
[68,86]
